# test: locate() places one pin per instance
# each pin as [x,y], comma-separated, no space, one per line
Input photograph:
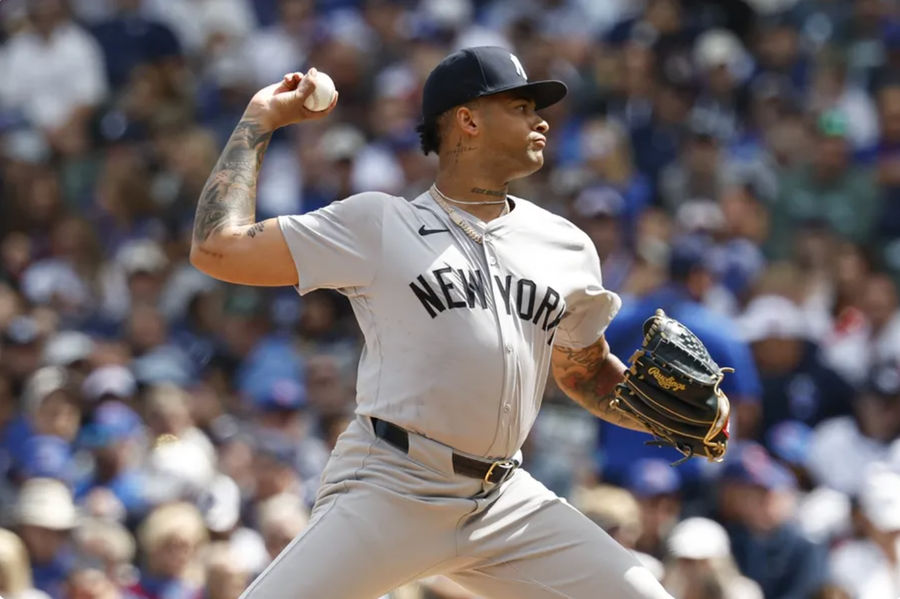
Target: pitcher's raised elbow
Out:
[204,259]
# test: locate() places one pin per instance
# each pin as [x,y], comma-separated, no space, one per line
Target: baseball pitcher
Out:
[466,297]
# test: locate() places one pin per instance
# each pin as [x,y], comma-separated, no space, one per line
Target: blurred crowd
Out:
[736,162]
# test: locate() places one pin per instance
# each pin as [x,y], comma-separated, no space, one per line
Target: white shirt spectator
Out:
[839,454]
[881,580]
[194,20]
[47,79]
[273,51]
[852,352]
[823,515]
[879,502]
[862,118]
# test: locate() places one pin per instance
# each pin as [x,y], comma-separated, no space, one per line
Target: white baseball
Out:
[322,96]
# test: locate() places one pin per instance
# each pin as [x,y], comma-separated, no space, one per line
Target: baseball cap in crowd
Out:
[21,330]
[599,201]
[650,477]
[67,347]
[884,379]
[49,280]
[471,73]
[789,440]
[112,421]
[282,394]
[698,538]
[42,383]
[879,498]
[690,252]
[772,316]
[164,364]
[111,380]
[220,504]
[832,123]
[720,47]
[118,543]
[700,216]
[141,255]
[777,87]
[46,456]
[751,464]
[277,448]
[46,503]
[341,142]
[177,469]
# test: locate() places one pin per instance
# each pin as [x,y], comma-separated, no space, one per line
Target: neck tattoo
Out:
[488,192]
[476,190]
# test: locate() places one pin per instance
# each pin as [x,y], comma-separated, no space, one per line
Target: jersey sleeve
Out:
[590,308]
[337,246]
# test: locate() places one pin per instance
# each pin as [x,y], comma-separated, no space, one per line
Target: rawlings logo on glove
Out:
[666,382]
[672,388]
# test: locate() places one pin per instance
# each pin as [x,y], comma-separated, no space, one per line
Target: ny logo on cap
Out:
[519,68]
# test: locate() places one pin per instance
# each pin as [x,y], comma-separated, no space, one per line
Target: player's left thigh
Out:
[537,546]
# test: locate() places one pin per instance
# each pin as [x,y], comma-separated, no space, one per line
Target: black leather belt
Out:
[490,472]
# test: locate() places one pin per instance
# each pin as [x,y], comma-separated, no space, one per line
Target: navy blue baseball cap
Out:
[751,464]
[651,477]
[112,421]
[281,395]
[482,71]
[46,456]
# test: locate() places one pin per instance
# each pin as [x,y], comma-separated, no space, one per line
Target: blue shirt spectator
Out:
[109,436]
[767,547]
[129,40]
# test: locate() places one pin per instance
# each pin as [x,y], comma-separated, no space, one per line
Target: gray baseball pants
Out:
[383,518]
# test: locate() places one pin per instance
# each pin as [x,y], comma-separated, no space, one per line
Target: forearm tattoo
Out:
[229,196]
[589,376]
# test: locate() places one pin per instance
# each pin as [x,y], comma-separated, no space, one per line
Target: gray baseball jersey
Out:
[458,340]
[458,334]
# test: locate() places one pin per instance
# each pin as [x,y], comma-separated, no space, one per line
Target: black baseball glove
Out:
[672,388]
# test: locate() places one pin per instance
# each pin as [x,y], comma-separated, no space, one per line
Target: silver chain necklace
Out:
[458,220]
[451,200]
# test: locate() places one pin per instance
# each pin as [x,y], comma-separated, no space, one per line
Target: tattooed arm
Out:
[589,376]
[228,243]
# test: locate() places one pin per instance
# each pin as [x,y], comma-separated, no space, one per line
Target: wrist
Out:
[257,116]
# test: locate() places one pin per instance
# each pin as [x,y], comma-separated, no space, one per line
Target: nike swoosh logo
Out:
[423,231]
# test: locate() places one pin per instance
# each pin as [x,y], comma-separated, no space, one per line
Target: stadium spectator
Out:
[796,384]
[767,546]
[220,506]
[113,484]
[111,546]
[702,565]
[15,569]
[841,448]
[44,518]
[657,488]
[830,188]
[129,39]
[280,518]
[616,511]
[36,59]
[90,583]
[171,539]
[226,578]
[876,552]
[51,404]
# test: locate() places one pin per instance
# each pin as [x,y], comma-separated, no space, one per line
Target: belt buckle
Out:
[506,465]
